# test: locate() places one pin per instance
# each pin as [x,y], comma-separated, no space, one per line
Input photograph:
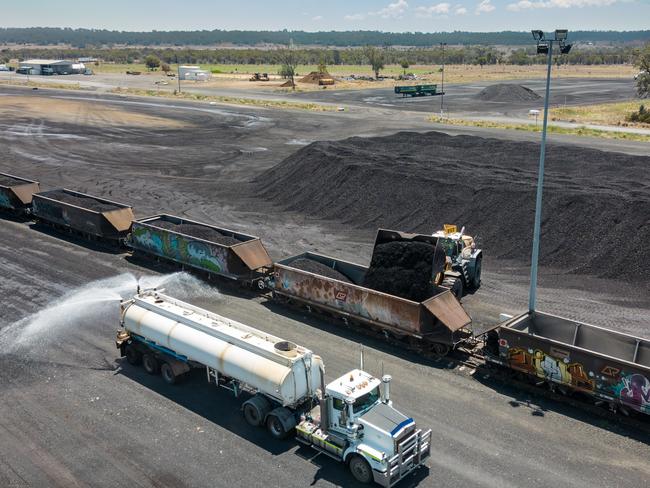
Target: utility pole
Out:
[442,85]
[544,46]
[178,73]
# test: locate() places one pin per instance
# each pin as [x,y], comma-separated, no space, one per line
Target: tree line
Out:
[478,55]
[82,38]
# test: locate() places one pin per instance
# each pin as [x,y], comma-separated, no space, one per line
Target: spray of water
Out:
[95,302]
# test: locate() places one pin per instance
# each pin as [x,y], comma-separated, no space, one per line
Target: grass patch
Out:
[603,114]
[552,129]
[36,84]
[230,100]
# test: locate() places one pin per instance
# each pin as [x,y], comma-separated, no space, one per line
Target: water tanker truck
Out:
[351,419]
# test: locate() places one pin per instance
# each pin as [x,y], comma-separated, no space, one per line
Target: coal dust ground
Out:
[73,413]
[596,216]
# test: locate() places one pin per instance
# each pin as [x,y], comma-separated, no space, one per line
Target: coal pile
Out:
[89,203]
[596,204]
[315,267]
[198,231]
[9,181]
[504,92]
[403,269]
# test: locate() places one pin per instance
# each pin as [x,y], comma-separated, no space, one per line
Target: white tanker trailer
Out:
[349,419]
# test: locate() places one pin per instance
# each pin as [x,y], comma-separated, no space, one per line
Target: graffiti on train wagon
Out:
[551,368]
[4,200]
[180,248]
[632,389]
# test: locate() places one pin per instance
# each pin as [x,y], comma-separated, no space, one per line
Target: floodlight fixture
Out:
[542,48]
[565,48]
[561,34]
[538,35]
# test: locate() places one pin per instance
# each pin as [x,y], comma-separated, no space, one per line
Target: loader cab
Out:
[352,395]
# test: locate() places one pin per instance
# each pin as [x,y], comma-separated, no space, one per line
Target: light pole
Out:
[442,85]
[544,46]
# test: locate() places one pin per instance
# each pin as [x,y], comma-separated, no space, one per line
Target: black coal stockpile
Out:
[197,230]
[403,269]
[9,181]
[315,267]
[504,92]
[596,204]
[81,201]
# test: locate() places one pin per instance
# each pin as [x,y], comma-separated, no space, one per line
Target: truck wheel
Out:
[150,364]
[457,289]
[360,469]
[276,428]
[168,374]
[133,356]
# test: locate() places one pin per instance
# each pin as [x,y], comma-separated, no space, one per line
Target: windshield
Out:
[366,401]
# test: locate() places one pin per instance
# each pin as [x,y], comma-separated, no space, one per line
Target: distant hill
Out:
[46,36]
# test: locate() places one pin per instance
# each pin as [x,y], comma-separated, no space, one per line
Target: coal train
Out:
[611,367]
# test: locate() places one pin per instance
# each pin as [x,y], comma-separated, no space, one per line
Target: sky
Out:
[385,15]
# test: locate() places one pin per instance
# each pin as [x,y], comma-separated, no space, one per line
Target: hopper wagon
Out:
[437,324]
[417,90]
[210,250]
[88,216]
[16,194]
[572,356]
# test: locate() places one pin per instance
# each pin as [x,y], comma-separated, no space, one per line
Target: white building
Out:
[48,67]
[193,73]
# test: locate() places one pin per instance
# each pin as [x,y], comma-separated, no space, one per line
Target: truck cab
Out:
[356,423]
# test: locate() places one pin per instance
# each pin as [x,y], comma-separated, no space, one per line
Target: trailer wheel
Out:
[255,410]
[150,364]
[439,349]
[275,427]
[133,356]
[168,374]
[360,469]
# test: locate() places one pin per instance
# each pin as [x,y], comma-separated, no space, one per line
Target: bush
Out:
[216,71]
[643,116]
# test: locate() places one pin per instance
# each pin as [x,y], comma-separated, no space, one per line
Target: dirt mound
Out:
[9,181]
[287,84]
[81,201]
[318,268]
[403,269]
[315,76]
[596,205]
[197,230]
[505,92]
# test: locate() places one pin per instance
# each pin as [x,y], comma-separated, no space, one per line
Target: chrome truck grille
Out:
[412,450]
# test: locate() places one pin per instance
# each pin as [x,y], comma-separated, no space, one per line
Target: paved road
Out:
[73,414]
[461,99]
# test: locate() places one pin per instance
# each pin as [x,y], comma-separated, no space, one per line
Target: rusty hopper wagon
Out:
[437,324]
[86,215]
[611,366]
[208,249]
[16,193]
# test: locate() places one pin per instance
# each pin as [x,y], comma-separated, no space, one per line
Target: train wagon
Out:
[16,194]
[574,356]
[417,90]
[88,216]
[208,249]
[436,324]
